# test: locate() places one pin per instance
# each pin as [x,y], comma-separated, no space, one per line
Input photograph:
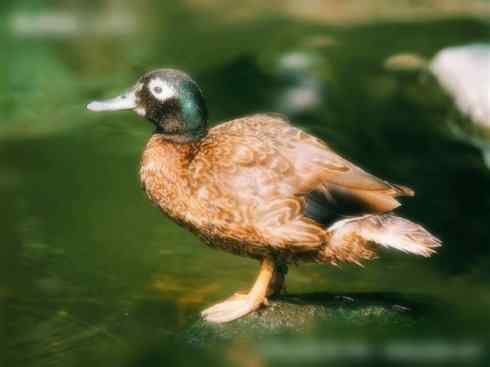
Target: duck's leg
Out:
[241,304]
[278,282]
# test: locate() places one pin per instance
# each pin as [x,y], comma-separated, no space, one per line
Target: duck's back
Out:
[305,162]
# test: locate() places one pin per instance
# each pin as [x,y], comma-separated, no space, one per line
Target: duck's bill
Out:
[126,101]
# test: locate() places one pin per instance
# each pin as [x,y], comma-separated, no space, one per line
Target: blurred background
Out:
[92,273]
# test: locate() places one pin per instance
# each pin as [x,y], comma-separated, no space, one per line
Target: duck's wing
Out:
[325,174]
[265,178]
[334,186]
[247,190]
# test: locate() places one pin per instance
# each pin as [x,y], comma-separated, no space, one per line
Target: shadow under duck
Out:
[256,186]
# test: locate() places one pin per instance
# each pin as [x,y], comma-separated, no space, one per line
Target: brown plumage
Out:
[244,187]
[259,187]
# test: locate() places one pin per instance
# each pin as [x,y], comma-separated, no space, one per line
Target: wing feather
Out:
[322,170]
[285,185]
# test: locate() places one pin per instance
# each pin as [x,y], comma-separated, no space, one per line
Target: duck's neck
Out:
[172,152]
[188,137]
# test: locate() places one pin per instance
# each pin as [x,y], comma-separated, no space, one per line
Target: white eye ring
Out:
[161,90]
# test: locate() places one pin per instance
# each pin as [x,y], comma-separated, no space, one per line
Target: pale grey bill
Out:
[126,101]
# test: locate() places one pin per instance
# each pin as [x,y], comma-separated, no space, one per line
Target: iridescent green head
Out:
[168,98]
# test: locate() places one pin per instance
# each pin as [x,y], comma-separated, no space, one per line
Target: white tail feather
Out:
[387,231]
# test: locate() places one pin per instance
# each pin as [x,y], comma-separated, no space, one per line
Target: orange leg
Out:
[242,304]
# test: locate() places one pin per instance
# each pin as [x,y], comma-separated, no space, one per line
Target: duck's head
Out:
[168,98]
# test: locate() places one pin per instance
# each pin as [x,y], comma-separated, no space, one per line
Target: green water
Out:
[92,273]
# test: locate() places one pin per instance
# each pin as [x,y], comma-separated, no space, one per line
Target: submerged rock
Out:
[297,314]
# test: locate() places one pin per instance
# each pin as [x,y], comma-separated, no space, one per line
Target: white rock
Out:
[465,74]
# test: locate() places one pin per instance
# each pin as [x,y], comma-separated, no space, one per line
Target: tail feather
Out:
[401,234]
[386,230]
[404,190]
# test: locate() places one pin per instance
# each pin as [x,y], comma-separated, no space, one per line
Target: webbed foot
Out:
[240,305]
[233,308]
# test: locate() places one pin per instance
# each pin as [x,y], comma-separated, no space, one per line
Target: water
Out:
[92,273]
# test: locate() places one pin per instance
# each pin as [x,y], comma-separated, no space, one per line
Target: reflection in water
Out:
[345,12]
[57,340]
[302,90]
[65,24]
[113,18]
[416,351]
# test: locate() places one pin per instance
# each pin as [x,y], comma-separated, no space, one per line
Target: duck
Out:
[259,187]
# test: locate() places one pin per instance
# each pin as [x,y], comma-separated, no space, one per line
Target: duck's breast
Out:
[164,175]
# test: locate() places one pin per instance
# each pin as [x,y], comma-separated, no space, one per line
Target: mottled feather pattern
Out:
[245,188]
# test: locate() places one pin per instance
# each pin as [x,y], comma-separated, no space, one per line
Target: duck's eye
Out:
[160,89]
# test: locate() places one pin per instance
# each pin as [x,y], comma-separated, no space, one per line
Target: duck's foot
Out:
[233,308]
[240,305]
